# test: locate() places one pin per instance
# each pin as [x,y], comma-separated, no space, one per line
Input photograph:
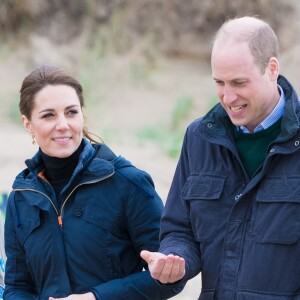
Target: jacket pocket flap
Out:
[280,189]
[28,222]
[203,186]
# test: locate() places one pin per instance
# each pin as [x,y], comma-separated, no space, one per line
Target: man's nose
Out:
[229,95]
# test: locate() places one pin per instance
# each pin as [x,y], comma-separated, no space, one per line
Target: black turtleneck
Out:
[58,171]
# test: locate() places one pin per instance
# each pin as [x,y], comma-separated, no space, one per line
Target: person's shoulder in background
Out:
[3,202]
[2,259]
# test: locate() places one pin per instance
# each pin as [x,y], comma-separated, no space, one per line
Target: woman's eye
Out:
[72,112]
[47,116]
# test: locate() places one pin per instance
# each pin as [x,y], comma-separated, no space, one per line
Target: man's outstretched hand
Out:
[164,268]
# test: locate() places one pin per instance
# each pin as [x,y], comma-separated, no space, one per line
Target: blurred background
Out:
[144,66]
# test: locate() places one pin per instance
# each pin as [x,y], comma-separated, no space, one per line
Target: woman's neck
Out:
[61,168]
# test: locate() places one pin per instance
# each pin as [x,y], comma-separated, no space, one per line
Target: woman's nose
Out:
[62,123]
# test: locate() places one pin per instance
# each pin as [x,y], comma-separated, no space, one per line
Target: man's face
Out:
[247,94]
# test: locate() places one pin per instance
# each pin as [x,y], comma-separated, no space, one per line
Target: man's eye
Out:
[219,83]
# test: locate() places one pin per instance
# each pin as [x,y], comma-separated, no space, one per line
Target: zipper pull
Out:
[59,220]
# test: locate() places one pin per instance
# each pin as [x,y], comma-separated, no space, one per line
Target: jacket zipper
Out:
[33,190]
[60,213]
[60,218]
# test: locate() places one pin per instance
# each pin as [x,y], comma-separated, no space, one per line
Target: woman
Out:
[78,216]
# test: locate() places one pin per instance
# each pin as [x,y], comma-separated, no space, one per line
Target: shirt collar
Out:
[274,116]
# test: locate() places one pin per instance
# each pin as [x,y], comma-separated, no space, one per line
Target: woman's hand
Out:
[87,296]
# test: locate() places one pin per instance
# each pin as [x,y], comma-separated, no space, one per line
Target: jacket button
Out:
[78,212]
[237,197]
[296,143]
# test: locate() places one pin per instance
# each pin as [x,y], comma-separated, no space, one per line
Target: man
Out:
[233,211]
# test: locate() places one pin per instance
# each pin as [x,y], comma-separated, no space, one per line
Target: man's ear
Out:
[273,68]
[27,124]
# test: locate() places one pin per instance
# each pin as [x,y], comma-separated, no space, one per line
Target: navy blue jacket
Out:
[242,234]
[110,212]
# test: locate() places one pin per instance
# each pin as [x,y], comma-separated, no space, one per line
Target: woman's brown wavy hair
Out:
[40,78]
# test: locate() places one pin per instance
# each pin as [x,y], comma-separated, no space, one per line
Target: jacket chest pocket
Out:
[28,223]
[277,211]
[202,194]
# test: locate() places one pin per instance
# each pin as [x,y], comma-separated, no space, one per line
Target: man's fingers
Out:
[146,255]
[175,270]
[157,267]
[156,262]
[178,269]
[166,269]
[152,257]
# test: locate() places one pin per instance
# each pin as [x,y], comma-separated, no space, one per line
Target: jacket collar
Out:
[218,119]
[94,168]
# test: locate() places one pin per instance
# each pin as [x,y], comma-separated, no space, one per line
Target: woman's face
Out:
[56,120]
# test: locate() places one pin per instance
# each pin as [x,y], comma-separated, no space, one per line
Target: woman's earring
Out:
[33,139]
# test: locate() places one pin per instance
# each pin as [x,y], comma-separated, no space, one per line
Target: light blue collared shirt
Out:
[274,116]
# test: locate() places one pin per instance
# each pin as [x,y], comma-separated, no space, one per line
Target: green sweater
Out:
[253,147]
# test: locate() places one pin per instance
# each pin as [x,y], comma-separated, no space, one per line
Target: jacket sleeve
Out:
[138,286]
[143,212]
[18,282]
[176,235]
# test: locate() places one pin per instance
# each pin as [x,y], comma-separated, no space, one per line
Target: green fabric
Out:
[253,147]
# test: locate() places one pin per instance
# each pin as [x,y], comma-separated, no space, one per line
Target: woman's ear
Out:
[27,124]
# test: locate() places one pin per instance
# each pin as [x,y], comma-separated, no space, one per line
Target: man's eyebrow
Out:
[216,79]
[233,79]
